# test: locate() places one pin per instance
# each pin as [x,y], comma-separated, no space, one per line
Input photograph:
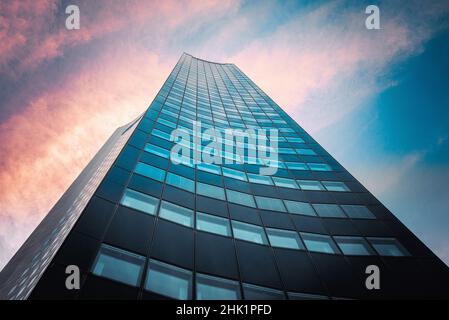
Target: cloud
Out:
[324,63]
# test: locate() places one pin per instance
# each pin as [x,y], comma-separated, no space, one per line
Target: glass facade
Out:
[157,229]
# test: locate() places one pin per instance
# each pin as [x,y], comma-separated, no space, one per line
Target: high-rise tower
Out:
[139,226]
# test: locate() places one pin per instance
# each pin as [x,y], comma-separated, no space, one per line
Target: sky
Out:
[377,100]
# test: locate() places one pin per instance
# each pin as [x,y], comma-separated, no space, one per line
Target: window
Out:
[235,174]
[354,246]
[306,152]
[151,148]
[176,214]
[270,203]
[118,265]
[214,288]
[319,167]
[249,232]
[213,224]
[296,166]
[209,168]
[305,296]
[284,182]
[210,191]
[335,186]
[310,185]
[252,292]
[358,212]
[180,182]
[139,201]
[319,243]
[150,171]
[169,281]
[240,198]
[329,210]
[297,207]
[254,178]
[388,247]
[284,239]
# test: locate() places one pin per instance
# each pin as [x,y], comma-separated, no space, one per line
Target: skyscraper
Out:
[139,226]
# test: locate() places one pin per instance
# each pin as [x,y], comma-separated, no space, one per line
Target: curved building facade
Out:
[149,228]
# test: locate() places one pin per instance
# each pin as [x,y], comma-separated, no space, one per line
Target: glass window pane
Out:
[119,265]
[310,185]
[329,210]
[284,182]
[284,239]
[254,178]
[296,166]
[305,296]
[319,167]
[176,214]
[169,281]
[150,171]
[240,198]
[139,201]
[358,212]
[157,150]
[210,191]
[214,288]
[249,232]
[252,292]
[270,204]
[306,152]
[319,243]
[180,182]
[235,174]
[388,247]
[297,207]
[213,224]
[335,186]
[354,246]
[209,168]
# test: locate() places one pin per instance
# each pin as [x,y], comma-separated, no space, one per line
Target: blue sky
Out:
[404,132]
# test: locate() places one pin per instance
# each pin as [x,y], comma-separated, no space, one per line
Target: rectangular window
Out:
[296,166]
[358,212]
[210,191]
[169,281]
[319,243]
[329,210]
[319,167]
[249,232]
[297,207]
[139,201]
[254,178]
[180,182]
[252,292]
[335,186]
[235,174]
[240,198]
[151,148]
[284,239]
[310,185]
[285,183]
[306,152]
[354,246]
[118,265]
[388,247]
[272,204]
[214,288]
[150,171]
[213,224]
[176,214]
